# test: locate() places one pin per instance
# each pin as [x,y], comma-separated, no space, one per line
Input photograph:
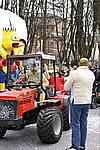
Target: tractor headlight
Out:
[8,109]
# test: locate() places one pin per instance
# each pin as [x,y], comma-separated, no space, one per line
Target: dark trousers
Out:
[79,114]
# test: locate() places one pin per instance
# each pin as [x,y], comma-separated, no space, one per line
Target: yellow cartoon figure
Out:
[13,35]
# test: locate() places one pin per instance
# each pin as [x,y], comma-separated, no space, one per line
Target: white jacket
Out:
[80,81]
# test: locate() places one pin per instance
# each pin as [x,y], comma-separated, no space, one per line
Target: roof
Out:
[44,56]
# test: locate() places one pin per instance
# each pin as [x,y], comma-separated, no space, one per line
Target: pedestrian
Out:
[80,81]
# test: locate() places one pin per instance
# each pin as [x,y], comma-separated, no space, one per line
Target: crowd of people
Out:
[95,68]
[62,75]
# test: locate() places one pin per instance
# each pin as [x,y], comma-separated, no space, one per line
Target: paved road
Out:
[27,139]
[93,141]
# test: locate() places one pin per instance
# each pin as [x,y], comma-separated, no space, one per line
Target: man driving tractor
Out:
[35,77]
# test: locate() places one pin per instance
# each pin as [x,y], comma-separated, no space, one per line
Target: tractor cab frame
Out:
[27,61]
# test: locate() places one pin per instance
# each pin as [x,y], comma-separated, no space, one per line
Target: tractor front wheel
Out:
[2,132]
[49,125]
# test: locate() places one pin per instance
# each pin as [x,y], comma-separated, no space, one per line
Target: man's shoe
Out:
[72,148]
[82,148]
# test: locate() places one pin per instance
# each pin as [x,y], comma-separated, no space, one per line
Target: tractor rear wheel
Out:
[65,114]
[2,132]
[49,125]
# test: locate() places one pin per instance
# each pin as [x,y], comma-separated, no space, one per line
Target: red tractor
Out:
[19,105]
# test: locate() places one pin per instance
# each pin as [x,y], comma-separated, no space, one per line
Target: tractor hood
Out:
[15,94]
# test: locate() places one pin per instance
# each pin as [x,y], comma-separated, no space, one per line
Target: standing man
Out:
[80,81]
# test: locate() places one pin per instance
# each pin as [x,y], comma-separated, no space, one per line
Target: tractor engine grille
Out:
[8,109]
